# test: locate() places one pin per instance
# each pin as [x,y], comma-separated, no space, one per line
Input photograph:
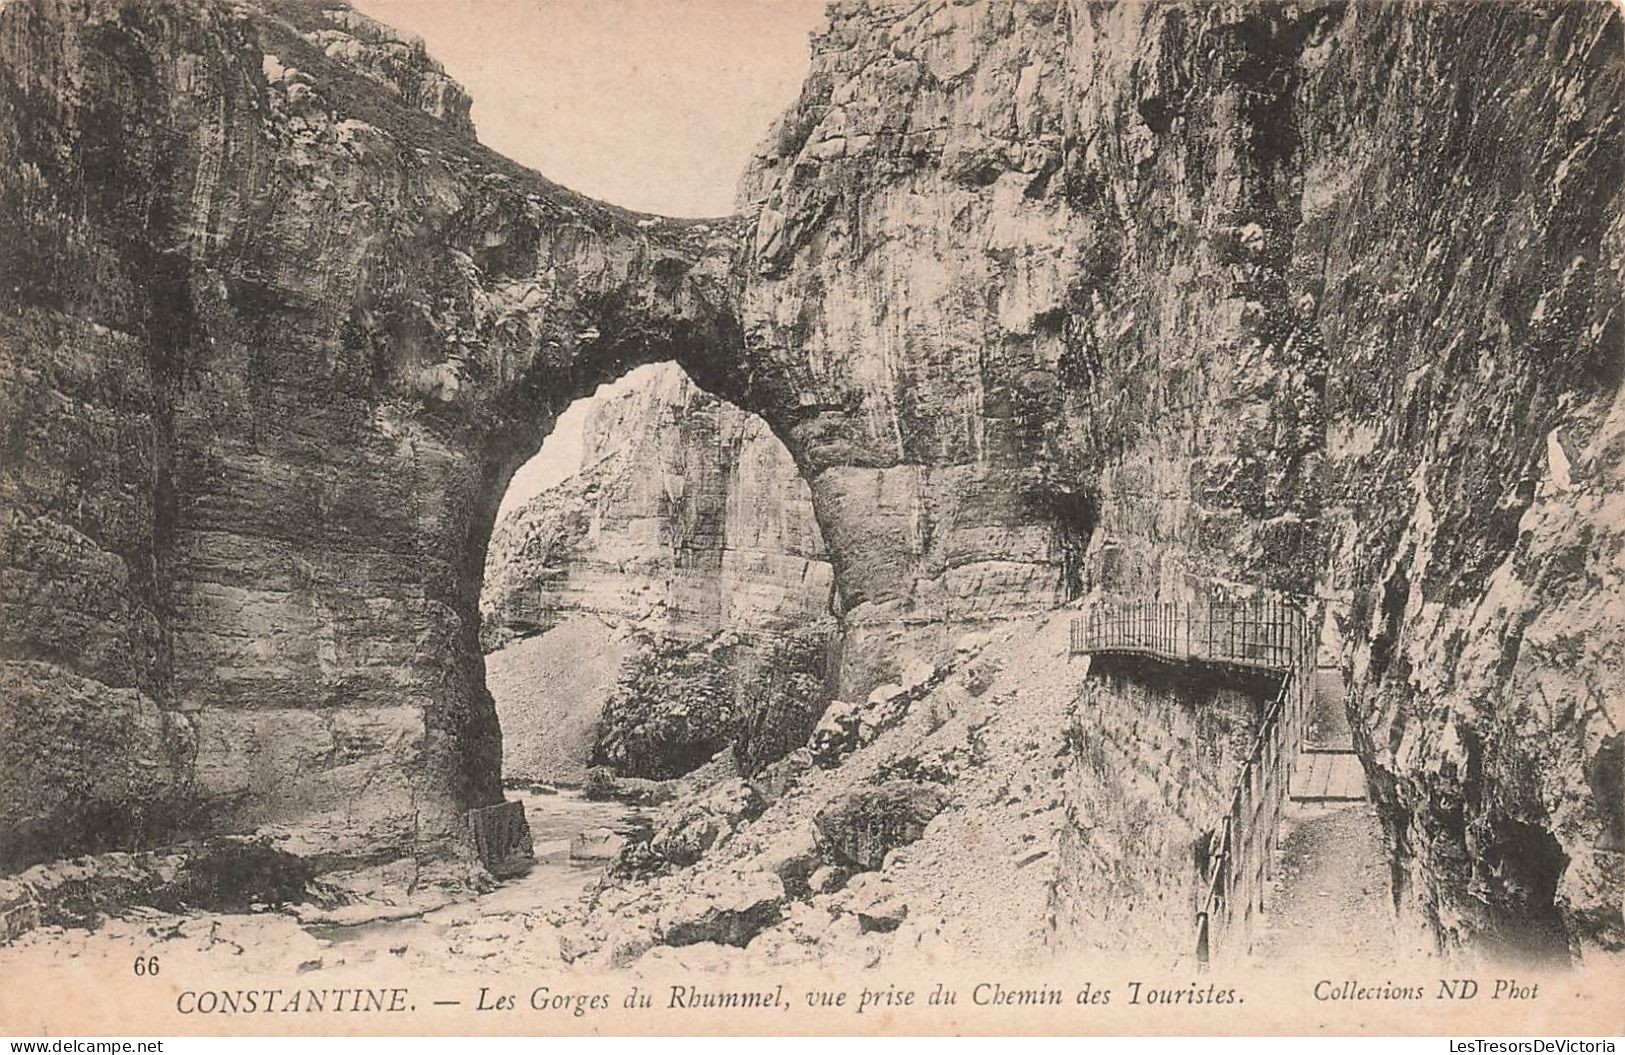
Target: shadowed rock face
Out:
[1324,297]
[1042,297]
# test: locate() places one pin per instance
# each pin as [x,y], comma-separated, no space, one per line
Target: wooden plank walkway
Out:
[1328,776]
[1328,770]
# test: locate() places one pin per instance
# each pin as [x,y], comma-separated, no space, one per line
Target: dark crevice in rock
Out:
[1386,643]
[1606,775]
[1519,866]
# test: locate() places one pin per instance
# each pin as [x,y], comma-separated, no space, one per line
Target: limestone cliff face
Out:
[907,276]
[276,331]
[1065,297]
[400,64]
[687,517]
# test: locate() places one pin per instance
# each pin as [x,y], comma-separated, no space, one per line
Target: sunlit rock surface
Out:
[686,516]
[685,519]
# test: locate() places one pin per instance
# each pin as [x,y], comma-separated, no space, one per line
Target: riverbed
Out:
[556,880]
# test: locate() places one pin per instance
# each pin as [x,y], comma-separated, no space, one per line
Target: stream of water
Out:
[556,880]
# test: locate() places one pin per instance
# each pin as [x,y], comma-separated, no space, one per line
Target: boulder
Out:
[19,910]
[705,956]
[826,879]
[729,909]
[861,826]
[624,945]
[884,695]
[846,727]
[836,734]
[687,839]
[940,765]
[597,844]
[876,902]
[691,829]
[701,825]
[793,857]
[774,781]
[917,674]
[604,786]
[221,874]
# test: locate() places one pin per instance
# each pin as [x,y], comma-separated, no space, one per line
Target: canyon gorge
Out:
[1024,304]
[683,539]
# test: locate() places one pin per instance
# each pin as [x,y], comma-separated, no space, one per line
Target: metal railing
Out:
[1265,632]
[1242,849]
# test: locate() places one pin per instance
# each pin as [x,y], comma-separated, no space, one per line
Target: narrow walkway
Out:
[1331,889]
[1328,769]
[1324,895]
[1331,897]
[1328,776]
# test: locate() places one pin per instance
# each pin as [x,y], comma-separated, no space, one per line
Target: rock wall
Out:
[687,517]
[1156,748]
[1065,297]
[275,332]
[1467,284]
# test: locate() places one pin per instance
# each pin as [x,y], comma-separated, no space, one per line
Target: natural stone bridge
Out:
[277,331]
[275,340]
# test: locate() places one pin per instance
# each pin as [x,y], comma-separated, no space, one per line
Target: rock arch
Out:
[277,338]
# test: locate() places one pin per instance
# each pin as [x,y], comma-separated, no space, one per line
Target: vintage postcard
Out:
[764,517]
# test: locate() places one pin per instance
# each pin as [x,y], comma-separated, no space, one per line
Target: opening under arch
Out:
[656,591]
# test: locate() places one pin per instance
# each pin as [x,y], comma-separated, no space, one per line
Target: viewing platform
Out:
[1261,632]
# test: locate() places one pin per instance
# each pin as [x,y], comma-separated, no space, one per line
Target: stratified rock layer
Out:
[276,331]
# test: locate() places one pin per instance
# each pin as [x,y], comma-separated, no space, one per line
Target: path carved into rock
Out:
[1331,889]
[1332,897]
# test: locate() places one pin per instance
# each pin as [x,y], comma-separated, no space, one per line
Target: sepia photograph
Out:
[781,517]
